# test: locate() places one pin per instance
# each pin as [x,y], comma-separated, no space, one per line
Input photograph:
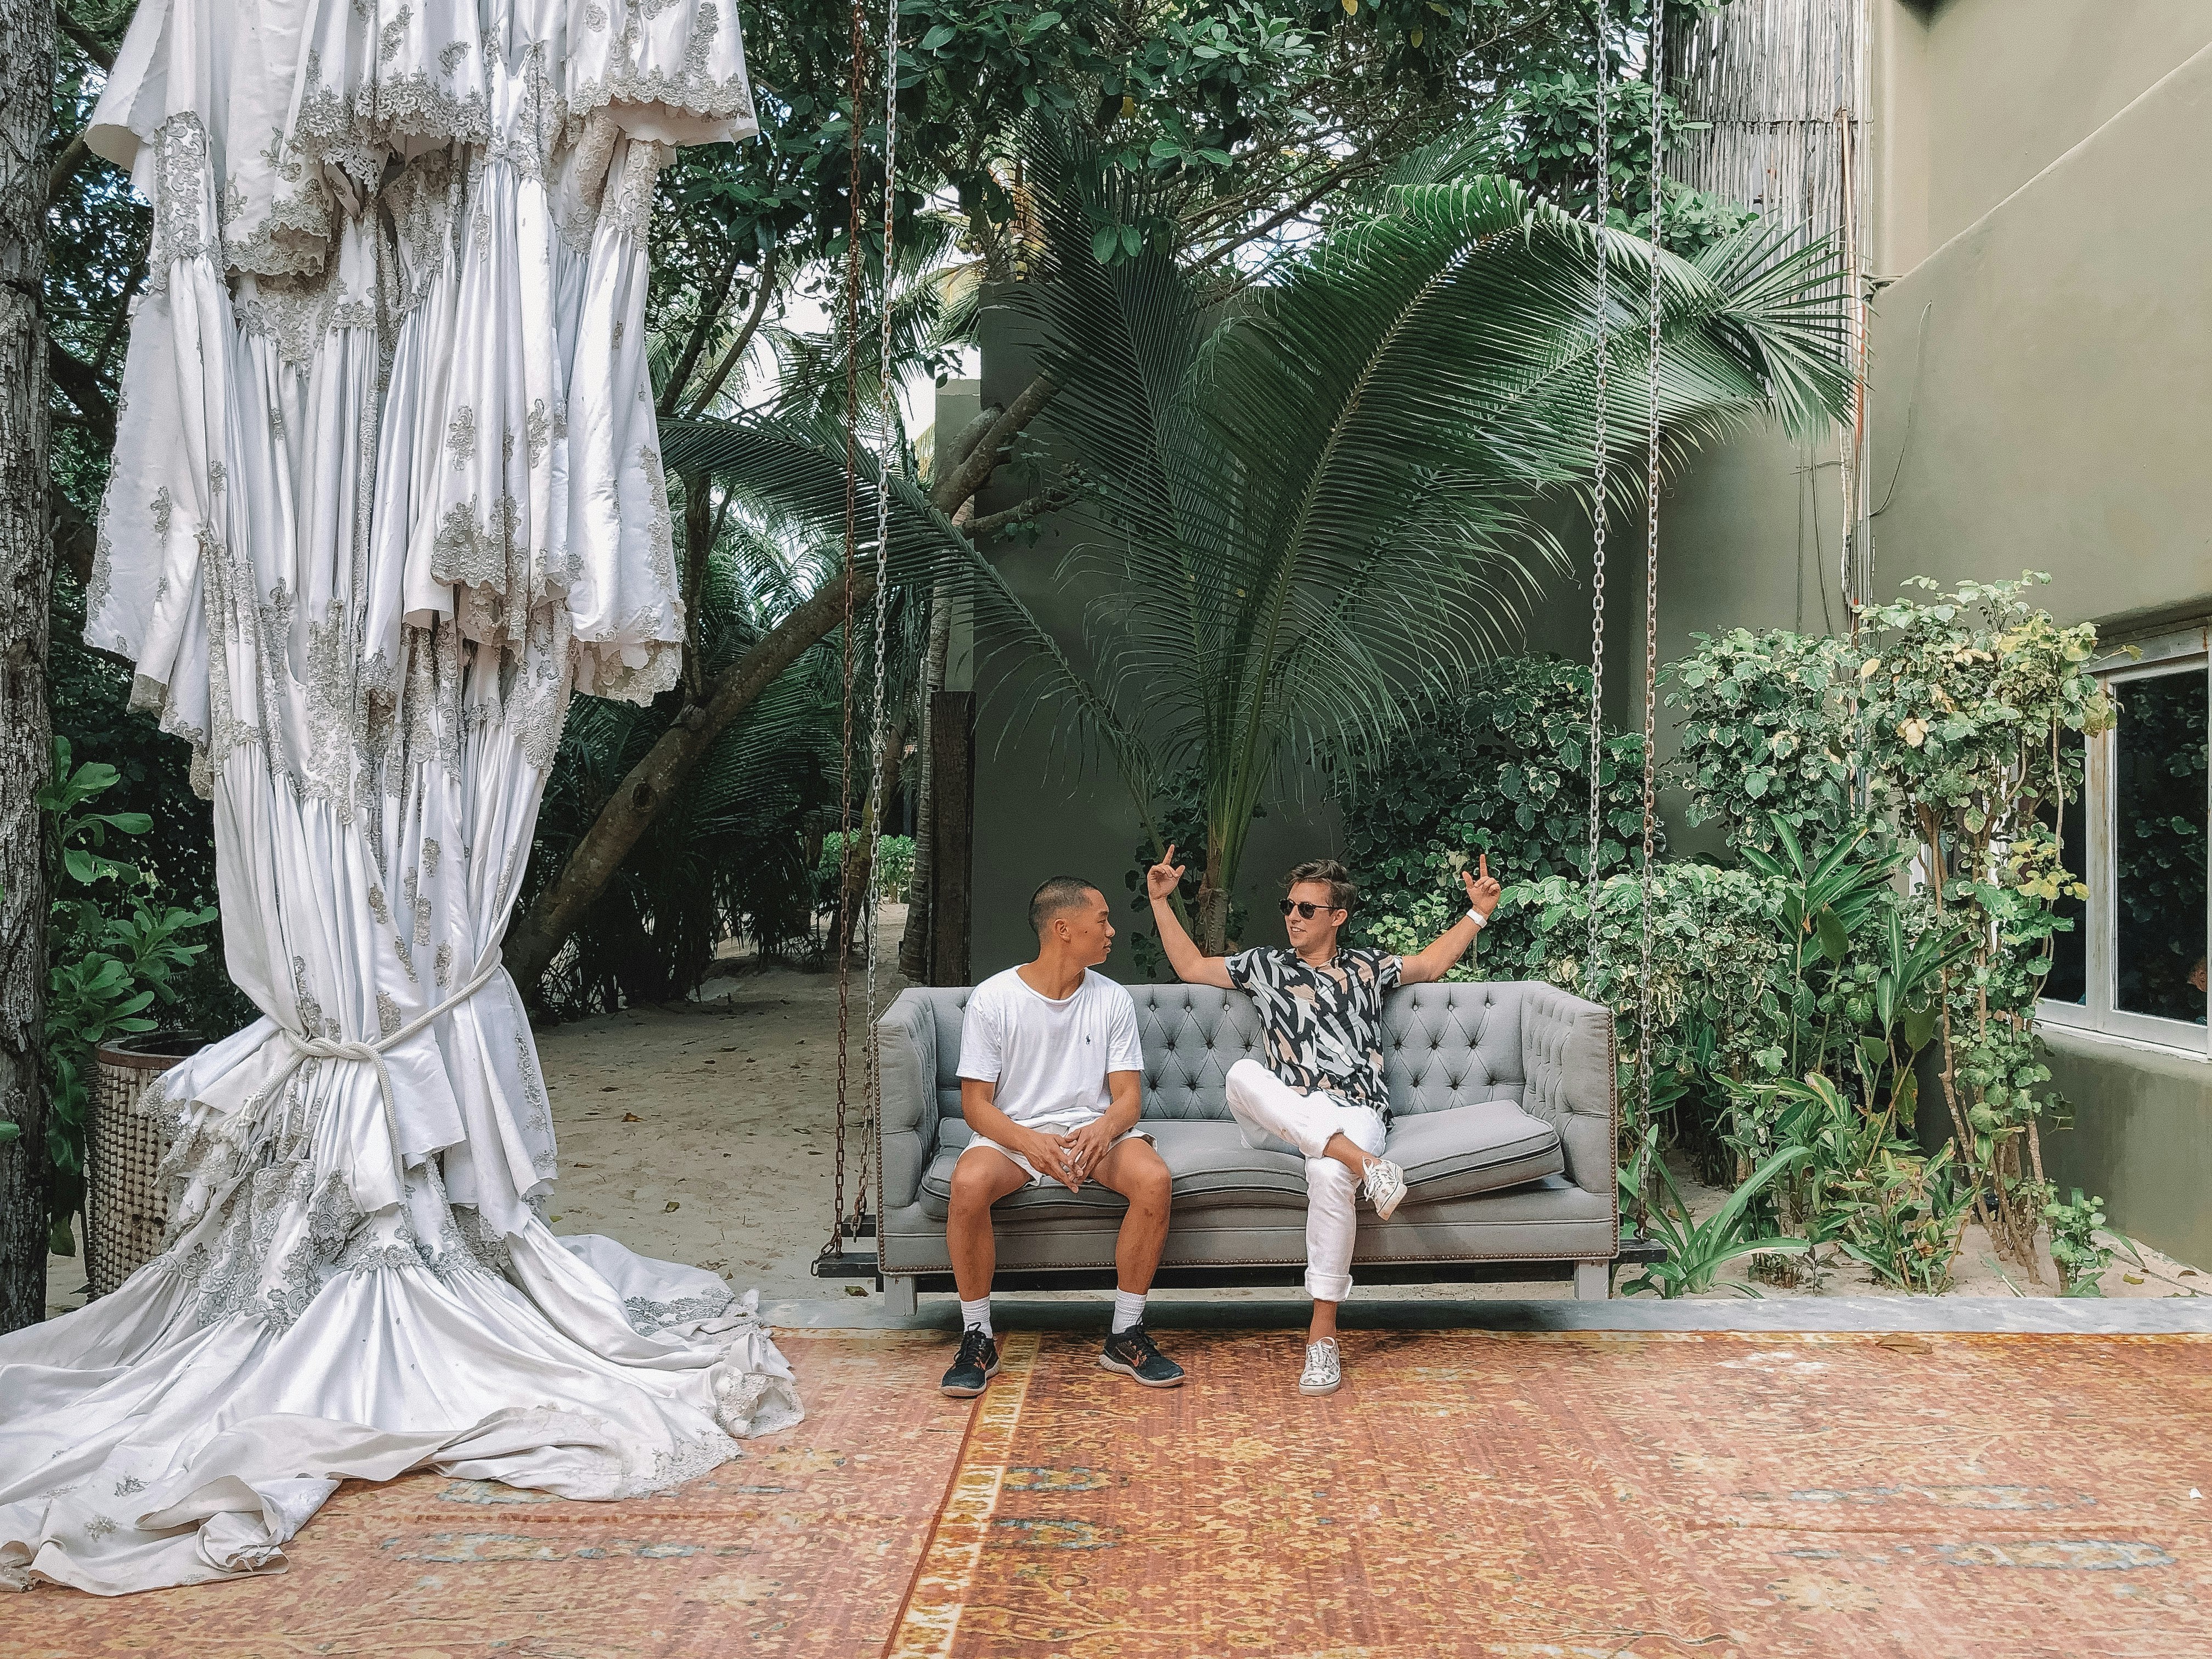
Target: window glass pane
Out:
[2159,846]
[2069,979]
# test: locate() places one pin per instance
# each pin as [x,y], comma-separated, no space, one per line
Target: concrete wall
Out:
[2040,388]
[1971,98]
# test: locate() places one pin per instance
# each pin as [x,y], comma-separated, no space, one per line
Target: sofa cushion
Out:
[1464,1150]
[1208,1165]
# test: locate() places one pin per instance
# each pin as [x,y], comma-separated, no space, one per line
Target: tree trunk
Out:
[27,78]
[535,936]
[914,943]
[1212,906]
[698,537]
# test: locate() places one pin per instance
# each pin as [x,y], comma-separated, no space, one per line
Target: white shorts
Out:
[1036,1178]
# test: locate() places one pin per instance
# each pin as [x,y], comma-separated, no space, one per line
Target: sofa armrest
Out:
[1567,1057]
[907,1034]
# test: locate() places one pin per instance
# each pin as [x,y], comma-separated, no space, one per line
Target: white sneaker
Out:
[1384,1188]
[1324,1371]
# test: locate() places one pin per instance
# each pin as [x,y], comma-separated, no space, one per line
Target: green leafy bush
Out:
[115,952]
[1504,771]
[2081,1256]
[1767,733]
[1969,701]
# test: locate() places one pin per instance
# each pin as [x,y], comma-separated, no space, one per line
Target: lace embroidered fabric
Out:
[387,494]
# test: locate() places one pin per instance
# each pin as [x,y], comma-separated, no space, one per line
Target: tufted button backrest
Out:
[1193,1033]
[1452,1045]
[1442,1045]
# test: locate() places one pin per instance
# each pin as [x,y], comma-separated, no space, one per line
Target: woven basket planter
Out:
[124,1207]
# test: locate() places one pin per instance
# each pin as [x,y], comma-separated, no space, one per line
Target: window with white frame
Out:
[2140,835]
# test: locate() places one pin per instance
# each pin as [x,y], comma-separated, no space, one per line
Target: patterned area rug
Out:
[1950,1497]
[1537,1497]
[805,1545]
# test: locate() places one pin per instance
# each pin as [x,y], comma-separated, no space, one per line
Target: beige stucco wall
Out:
[2040,387]
[1971,98]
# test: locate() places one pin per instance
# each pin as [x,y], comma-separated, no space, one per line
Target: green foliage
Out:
[895,868]
[1902,1216]
[1697,1250]
[2081,1256]
[1970,702]
[1718,962]
[1398,397]
[1555,120]
[1765,731]
[1502,769]
[114,953]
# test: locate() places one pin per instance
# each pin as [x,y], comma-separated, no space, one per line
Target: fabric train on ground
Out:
[386,491]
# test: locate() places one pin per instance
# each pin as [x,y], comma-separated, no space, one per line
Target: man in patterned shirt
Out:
[1321,1088]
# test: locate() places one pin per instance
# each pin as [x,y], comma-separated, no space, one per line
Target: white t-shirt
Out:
[1049,1059]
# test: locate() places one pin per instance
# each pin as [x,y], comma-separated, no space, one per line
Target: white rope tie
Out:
[372,1053]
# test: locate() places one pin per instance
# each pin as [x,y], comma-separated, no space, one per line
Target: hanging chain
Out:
[837,1230]
[880,730]
[1650,589]
[1598,510]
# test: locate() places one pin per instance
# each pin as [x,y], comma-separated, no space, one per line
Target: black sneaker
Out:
[1132,1353]
[975,1364]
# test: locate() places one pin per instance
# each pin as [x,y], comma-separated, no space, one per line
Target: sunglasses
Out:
[1306,908]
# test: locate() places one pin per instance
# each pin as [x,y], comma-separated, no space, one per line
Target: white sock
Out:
[1128,1309]
[976,1315]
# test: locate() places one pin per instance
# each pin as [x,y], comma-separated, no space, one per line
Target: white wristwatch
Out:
[1477,918]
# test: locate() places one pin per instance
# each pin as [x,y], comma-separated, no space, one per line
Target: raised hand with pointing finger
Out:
[1482,892]
[1163,878]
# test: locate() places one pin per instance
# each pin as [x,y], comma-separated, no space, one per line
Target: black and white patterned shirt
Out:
[1324,1025]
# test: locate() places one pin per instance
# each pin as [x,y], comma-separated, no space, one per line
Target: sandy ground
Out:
[705,1132]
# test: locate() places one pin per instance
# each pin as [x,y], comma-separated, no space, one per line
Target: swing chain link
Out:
[838,1230]
[1656,70]
[887,465]
[1598,509]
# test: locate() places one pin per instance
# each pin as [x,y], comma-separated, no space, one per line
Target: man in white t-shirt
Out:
[1051,1077]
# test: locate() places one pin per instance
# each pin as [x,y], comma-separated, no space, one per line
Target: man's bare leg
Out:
[982,1176]
[1135,1170]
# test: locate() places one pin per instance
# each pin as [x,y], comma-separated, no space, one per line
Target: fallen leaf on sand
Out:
[632,1117]
[670,1208]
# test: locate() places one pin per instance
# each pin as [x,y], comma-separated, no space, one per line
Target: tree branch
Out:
[974,471]
[74,155]
[76,537]
[85,40]
[81,387]
[1066,489]
[530,943]
[729,358]
[709,314]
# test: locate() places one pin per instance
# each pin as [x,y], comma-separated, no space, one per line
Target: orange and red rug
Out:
[1536,1497]
[1950,1497]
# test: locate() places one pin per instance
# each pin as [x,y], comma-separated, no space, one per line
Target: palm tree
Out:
[1315,506]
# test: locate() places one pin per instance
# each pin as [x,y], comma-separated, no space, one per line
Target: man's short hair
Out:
[1342,892]
[1060,893]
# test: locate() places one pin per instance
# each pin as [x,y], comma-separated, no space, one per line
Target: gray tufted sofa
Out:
[1502,1096]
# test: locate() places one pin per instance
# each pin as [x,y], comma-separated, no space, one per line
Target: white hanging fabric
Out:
[386,491]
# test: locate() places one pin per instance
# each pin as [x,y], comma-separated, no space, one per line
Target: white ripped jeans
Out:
[1262,1104]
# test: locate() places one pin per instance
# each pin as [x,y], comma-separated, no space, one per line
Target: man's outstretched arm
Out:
[1191,965]
[1448,947]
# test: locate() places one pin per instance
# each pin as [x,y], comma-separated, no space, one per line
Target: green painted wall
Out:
[2040,385]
